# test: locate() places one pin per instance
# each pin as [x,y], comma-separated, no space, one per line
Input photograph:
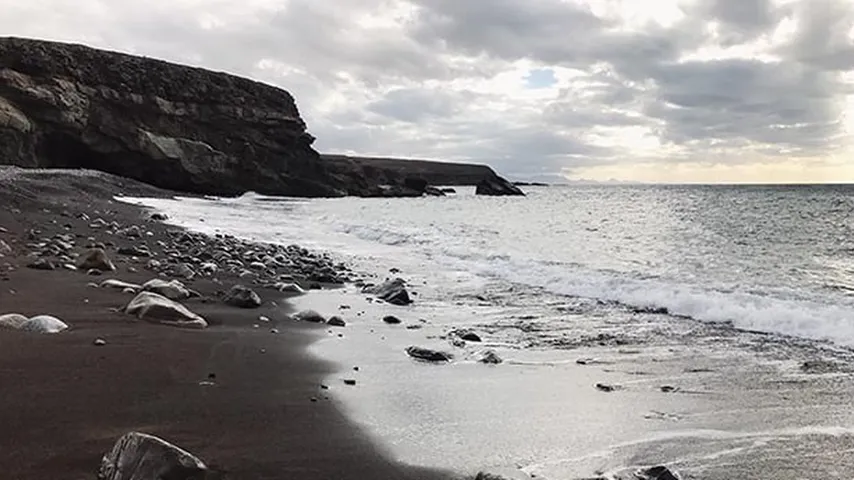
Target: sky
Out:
[632,90]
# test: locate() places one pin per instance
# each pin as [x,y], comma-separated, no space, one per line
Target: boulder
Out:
[310,316]
[336,322]
[242,297]
[502,474]
[289,288]
[44,324]
[659,472]
[154,308]
[138,456]
[96,259]
[173,290]
[41,264]
[12,321]
[392,291]
[490,357]
[428,355]
[497,186]
[467,335]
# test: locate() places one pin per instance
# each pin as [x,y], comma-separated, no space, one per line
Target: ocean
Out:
[727,292]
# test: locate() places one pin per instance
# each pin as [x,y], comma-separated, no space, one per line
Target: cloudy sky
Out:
[649,90]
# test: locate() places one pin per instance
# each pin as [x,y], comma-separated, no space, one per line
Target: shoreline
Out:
[66,401]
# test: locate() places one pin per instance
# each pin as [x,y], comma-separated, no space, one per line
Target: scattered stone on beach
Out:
[310,316]
[44,324]
[274,331]
[242,297]
[336,322]
[392,291]
[99,342]
[118,284]
[139,456]
[604,387]
[41,264]
[134,251]
[428,355]
[467,335]
[96,259]
[490,357]
[153,264]
[5,249]
[158,217]
[12,321]
[184,271]
[668,389]
[173,290]
[391,320]
[656,473]
[94,272]
[349,381]
[502,474]
[288,288]
[458,342]
[154,308]
[819,367]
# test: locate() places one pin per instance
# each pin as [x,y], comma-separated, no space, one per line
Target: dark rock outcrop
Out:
[428,355]
[392,291]
[497,186]
[137,456]
[168,125]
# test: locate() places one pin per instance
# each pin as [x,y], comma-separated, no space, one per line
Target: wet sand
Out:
[65,401]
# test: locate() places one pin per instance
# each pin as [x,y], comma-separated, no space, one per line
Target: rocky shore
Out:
[161,331]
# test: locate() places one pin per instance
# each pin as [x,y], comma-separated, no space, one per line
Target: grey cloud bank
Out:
[714,82]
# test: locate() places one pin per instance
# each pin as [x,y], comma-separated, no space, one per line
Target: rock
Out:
[467,335]
[138,456]
[134,251]
[604,387]
[502,474]
[434,192]
[184,271]
[113,283]
[349,381]
[309,316]
[96,259]
[159,217]
[336,322]
[41,264]
[391,320]
[173,290]
[289,288]
[94,272]
[428,355]
[458,342]
[242,297]
[12,321]
[669,389]
[819,367]
[392,291]
[447,190]
[44,324]
[5,249]
[155,308]
[656,473]
[99,342]
[490,357]
[497,186]
[153,265]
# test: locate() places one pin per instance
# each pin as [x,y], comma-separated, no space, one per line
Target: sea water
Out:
[657,272]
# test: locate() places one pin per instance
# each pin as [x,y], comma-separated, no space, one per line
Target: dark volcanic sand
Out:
[64,401]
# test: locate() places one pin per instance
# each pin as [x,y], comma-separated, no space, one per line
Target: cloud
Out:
[537,88]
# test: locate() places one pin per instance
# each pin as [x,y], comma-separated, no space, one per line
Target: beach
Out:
[65,401]
[554,387]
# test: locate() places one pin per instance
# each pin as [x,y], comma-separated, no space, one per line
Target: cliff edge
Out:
[172,126]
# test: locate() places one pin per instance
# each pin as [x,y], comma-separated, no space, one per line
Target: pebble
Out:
[100,342]
[274,330]
[262,318]
[349,381]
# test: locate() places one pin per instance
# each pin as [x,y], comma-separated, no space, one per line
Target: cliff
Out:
[395,170]
[168,125]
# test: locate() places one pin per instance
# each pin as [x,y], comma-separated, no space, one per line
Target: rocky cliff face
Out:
[363,174]
[172,126]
